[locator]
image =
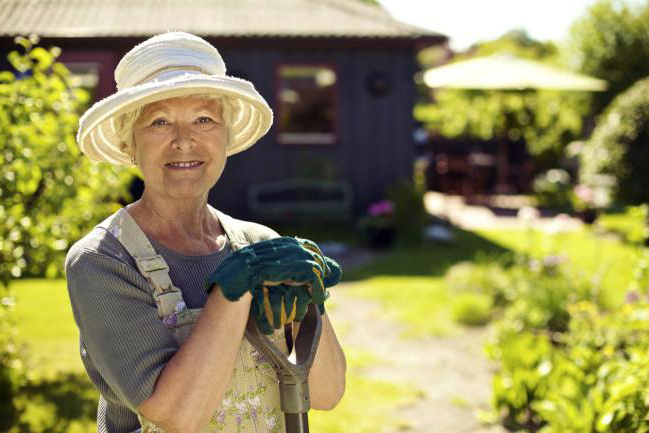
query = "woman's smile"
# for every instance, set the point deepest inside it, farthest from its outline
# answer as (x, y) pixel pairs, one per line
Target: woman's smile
(184, 165)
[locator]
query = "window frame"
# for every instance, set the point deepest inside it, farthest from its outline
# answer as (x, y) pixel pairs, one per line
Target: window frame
(308, 139)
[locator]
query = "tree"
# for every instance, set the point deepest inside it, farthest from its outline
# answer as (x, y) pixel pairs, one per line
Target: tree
(611, 42)
(50, 194)
(618, 150)
(546, 120)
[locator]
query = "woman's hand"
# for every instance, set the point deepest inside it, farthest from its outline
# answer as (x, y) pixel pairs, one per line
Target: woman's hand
(192, 385)
(283, 274)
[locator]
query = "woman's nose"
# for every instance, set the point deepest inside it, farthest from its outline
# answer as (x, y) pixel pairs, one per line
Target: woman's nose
(183, 139)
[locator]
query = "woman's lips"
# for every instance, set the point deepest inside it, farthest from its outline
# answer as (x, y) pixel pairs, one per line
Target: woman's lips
(183, 165)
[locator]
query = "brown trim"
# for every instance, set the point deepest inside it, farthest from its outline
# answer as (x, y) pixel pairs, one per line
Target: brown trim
(336, 103)
(108, 61)
(250, 42)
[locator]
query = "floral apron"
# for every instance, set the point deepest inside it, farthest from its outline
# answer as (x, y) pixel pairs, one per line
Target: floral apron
(251, 402)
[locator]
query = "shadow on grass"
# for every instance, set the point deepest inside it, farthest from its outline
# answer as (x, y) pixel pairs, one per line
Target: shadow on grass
(54, 405)
(429, 259)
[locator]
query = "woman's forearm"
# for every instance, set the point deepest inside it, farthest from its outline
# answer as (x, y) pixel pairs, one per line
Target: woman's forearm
(193, 383)
(327, 375)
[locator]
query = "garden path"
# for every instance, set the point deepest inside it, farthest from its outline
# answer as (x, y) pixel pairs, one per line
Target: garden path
(451, 373)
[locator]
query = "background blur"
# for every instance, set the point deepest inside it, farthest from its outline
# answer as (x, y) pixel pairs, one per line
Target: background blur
(479, 169)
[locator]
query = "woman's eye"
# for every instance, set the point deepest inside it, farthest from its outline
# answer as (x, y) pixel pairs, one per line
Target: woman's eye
(160, 122)
(204, 119)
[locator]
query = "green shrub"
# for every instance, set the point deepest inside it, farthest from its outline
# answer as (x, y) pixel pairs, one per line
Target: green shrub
(553, 189)
(630, 224)
(565, 364)
(618, 150)
(472, 309)
(487, 277)
(50, 194)
(600, 379)
(12, 373)
(409, 211)
(524, 359)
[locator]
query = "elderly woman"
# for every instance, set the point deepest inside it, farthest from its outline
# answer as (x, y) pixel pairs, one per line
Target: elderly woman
(164, 353)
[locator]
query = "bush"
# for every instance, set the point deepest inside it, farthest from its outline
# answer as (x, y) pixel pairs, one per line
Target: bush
(553, 189)
(50, 195)
(618, 151)
(599, 382)
(12, 374)
(481, 277)
(630, 224)
(566, 365)
(472, 309)
(409, 211)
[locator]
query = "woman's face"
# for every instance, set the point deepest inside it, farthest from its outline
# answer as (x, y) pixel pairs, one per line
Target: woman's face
(180, 146)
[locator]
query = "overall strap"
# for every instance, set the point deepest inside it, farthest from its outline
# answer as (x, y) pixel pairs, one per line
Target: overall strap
(151, 265)
(236, 236)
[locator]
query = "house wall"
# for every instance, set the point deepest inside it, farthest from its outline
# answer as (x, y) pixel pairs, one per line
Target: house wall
(375, 147)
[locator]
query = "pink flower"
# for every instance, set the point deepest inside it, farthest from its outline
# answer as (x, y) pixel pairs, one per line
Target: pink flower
(584, 193)
(381, 208)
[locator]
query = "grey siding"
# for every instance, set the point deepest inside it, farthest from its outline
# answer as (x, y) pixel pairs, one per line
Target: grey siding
(375, 147)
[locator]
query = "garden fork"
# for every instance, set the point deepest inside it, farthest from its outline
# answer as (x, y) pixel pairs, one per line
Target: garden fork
(292, 376)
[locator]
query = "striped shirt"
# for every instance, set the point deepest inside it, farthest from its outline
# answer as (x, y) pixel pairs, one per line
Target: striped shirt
(124, 345)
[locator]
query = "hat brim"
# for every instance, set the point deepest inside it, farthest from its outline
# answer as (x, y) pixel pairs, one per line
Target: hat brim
(98, 139)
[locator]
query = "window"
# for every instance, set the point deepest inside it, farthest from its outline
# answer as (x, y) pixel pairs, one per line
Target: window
(85, 75)
(307, 104)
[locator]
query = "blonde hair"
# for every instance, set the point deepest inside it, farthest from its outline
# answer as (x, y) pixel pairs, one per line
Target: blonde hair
(126, 122)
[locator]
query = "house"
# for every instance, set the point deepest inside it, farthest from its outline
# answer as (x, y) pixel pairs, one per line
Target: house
(337, 73)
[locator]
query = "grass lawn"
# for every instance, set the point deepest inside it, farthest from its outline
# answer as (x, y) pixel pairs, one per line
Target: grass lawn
(409, 282)
(61, 399)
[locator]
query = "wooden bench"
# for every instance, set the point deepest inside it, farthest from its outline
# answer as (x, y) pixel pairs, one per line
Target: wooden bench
(301, 200)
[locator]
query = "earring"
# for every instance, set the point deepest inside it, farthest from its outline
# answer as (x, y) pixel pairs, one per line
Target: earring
(133, 161)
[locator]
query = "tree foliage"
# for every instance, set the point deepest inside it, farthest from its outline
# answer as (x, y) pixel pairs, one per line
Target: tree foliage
(619, 147)
(611, 42)
(50, 195)
(546, 120)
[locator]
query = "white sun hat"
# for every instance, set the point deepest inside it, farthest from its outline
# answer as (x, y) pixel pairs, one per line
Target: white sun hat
(166, 66)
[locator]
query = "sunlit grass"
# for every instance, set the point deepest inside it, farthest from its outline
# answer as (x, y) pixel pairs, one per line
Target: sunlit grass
(420, 303)
(601, 259)
(409, 282)
(46, 327)
(368, 405)
(61, 398)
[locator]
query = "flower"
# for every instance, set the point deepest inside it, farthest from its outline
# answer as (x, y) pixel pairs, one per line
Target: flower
(383, 207)
(380, 215)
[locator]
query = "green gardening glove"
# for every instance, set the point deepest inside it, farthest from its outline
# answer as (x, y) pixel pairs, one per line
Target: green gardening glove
(273, 307)
(283, 274)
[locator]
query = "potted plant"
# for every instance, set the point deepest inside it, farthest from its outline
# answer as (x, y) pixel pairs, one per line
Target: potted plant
(378, 225)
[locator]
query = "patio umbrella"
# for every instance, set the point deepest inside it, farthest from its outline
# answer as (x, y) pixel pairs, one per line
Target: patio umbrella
(505, 72)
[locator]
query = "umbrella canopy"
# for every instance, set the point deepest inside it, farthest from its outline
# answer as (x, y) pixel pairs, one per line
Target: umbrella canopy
(507, 72)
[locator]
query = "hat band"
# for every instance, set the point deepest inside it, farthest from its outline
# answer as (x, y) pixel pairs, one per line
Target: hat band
(161, 71)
